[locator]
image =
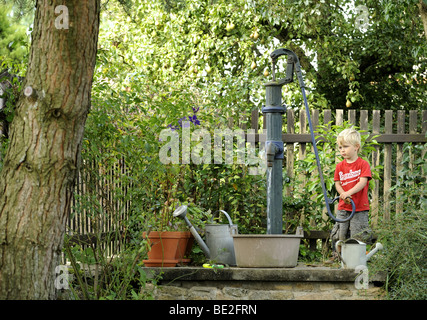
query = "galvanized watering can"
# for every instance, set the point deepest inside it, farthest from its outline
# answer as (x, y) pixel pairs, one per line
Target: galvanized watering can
(219, 244)
(353, 253)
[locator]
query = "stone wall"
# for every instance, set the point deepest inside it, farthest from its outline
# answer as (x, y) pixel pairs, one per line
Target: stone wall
(262, 291)
(301, 283)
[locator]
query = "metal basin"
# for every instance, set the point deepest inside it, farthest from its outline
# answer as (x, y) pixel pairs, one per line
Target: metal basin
(266, 250)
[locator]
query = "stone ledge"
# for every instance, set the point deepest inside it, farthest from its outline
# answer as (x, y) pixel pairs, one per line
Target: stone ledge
(300, 273)
(300, 283)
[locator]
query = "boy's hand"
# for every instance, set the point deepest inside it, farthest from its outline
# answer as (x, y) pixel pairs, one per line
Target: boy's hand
(347, 200)
(346, 197)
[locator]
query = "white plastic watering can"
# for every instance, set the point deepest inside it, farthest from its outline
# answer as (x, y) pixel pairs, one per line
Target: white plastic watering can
(353, 253)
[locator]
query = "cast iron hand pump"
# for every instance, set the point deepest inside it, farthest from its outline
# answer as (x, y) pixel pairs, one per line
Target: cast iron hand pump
(294, 65)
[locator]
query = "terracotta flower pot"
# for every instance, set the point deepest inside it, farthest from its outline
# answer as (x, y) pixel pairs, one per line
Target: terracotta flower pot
(184, 248)
(167, 248)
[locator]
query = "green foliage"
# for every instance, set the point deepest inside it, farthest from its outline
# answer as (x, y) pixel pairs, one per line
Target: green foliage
(404, 258)
(404, 237)
(12, 86)
(23, 10)
(11, 94)
(14, 48)
(96, 276)
(342, 61)
(221, 49)
(309, 256)
(14, 42)
(411, 179)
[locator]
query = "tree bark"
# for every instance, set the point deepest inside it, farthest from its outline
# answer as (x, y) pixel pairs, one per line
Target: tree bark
(40, 166)
(422, 6)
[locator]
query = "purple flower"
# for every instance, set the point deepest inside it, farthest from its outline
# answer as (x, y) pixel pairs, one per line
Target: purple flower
(193, 119)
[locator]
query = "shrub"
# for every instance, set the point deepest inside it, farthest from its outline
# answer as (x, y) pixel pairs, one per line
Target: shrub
(404, 237)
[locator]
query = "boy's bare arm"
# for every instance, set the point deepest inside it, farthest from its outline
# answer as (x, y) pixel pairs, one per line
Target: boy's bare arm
(347, 194)
(338, 187)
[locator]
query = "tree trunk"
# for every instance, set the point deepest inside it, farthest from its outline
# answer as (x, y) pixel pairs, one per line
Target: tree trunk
(423, 12)
(40, 166)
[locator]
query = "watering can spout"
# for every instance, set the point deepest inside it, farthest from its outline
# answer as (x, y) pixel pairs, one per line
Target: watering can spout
(181, 213)
(378, 247)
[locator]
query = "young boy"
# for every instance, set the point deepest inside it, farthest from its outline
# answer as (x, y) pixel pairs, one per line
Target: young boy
(351, 178)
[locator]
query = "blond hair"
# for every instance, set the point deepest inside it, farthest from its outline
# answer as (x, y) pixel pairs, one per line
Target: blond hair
(350, 136)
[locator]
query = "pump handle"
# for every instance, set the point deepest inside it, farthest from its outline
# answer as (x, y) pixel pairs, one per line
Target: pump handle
(282, 51)
(346, 219)
(293, 65)
(292, 60)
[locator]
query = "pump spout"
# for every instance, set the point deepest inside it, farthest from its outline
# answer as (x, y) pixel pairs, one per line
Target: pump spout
(274, 151)
(271, 153)
(378, 247)
(181, 213)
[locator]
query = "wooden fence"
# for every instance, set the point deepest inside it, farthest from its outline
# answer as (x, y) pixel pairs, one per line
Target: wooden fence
(97, 214)
(394, 130)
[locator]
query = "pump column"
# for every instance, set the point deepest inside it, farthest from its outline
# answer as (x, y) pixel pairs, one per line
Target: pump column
(274, 148)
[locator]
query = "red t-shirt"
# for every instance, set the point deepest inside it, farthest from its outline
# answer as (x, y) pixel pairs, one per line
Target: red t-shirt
(349, 174)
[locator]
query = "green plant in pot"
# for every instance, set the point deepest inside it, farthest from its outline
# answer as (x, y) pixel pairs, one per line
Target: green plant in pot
(168, 239)
(171, 189)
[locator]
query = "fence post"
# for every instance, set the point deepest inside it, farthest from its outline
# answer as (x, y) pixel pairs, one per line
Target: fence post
(387, 165)
(399, 157)
(375, 162)
(412, 130)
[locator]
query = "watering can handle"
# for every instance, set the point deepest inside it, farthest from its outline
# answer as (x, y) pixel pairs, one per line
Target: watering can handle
(225, 213)
(338, 244)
